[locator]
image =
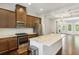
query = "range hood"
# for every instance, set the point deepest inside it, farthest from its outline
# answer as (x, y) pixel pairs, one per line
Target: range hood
(20, 24)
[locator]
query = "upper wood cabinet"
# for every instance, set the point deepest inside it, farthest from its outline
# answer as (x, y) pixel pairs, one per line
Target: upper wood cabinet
(29, 21)
(3, 18)
(32, 20)
(21, 14)
(19, 18)
(11, 20)
(7, 18)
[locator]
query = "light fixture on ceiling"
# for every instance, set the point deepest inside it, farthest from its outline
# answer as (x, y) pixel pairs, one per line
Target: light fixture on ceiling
(29, 3)
(41, 9)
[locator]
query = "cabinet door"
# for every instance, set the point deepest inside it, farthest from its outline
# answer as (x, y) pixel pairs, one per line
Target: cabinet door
(3, 45)
(29, 21)
(32, 21)
(21, 13)
(3, 18)
(7, 19)
(37, 20)
(13, 45)
(11, 20)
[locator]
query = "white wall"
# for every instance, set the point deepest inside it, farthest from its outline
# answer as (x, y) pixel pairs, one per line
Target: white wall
(53, 25)
(48, 25)
(45, 25)
(9, 6)
(10, 31)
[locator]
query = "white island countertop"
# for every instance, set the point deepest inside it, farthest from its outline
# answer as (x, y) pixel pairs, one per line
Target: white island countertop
(48, 39)
(47, 44)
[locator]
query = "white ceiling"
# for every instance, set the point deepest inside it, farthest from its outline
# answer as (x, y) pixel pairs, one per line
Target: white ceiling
(34, 8)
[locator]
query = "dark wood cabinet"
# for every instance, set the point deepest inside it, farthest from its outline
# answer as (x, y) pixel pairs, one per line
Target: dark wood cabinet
(7, 18)
(21, 14)
(3, 18)
(31, 20)
(8, 44)
(22, 17)
(3, 46)
(11, 21)
(12, 43)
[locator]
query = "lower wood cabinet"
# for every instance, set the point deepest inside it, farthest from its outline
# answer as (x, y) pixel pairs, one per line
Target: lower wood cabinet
(3, 46)
(14, 52)
(8, 44)
(12, 42)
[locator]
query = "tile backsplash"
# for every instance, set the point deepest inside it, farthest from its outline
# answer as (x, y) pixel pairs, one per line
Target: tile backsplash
(10, 31)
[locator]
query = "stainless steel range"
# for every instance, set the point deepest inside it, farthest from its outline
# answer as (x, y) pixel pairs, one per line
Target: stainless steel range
(23, 43)
(22, 38)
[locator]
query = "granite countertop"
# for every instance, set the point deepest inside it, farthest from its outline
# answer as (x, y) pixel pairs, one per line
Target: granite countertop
(6, 36)
(47, 39)
(10, 35)
(31, 33)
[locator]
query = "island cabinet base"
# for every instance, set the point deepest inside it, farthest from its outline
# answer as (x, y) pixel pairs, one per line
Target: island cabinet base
(59, 52)
(47, 44)
(47, 50)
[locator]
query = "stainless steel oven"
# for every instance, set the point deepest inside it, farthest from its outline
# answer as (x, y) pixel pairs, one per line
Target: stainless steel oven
(22, 38)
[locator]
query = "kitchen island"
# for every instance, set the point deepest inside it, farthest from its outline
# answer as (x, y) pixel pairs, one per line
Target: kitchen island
(47, 44)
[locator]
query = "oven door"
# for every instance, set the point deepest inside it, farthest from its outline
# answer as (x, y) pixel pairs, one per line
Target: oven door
(22, 40)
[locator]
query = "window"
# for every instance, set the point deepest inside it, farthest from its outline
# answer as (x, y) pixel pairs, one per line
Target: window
(69, 27)
(77, 27)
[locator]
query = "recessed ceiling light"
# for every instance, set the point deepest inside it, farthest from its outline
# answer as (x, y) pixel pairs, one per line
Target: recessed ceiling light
(41, 9)
(29, 3)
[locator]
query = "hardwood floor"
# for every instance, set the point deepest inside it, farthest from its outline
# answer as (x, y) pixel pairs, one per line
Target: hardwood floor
(70, 45)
